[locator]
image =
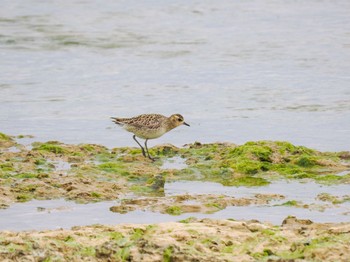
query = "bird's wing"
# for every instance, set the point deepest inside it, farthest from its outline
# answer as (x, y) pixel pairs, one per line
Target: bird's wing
(149, 121)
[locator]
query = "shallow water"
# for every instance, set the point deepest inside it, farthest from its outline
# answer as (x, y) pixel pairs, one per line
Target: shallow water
(59, 165)
(174, 163)
(237, 70)
(292, 190)
(53, 214)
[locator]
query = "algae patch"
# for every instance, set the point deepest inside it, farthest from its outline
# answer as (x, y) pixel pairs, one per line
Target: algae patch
(52, 147)
(5, 137)
(90, 172)
(325, 197)
(190, 240)
(256, 163)
(6, 141)
(181, 204)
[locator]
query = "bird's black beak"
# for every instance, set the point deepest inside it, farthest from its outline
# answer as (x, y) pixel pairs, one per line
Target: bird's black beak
(186, 124)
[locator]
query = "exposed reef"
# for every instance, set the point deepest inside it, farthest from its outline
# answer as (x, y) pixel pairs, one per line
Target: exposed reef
(188, 240)
(88, 172)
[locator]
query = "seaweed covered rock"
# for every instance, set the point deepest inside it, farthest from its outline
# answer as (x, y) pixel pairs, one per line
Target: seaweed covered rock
(255, 162)
(54, 169)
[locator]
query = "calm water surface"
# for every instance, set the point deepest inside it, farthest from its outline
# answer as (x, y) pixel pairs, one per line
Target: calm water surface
(53, 214)
(237, 70)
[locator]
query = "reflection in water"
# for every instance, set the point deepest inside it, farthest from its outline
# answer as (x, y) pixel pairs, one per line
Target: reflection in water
(52, 214)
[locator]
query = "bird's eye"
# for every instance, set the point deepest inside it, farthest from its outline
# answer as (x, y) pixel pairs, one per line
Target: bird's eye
(179, 119)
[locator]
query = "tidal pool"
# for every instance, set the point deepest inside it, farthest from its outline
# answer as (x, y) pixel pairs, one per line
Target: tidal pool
(174, 163)
(292, 190)
(53, 214)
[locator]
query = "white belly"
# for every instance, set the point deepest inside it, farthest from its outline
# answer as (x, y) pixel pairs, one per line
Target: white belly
(146, 133)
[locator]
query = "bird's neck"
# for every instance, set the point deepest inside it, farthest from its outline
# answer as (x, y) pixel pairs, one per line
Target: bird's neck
(169, 125)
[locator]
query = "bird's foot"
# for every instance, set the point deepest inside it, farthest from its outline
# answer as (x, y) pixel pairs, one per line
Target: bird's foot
(152, 158)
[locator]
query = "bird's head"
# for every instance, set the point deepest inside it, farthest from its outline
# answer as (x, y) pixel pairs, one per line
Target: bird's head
(177, 120)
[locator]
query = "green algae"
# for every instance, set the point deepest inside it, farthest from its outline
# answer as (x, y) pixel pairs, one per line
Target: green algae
(40, 161)
(188, 220)
(119, 245)
(53, 147)
(74, 152)
(332, 179)
(137, 234)
(333, 199)
(6, 167)
(6, 141)
(173, 210)
(87, 148)
(5, 137)
(164, 151)
(113, 167)
(23, 197)
(291, 203)
(253, 150)
(215, 206)
(313, 248)
(26, 175)
(141, 189)
(168, 254)
(248, 181)
(252, 163)
(197, 240)
(95, 195)
(306, 161)
(264, 254)
(268, 232)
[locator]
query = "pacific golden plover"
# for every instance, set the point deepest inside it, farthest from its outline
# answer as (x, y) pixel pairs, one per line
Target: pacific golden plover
(149, 126)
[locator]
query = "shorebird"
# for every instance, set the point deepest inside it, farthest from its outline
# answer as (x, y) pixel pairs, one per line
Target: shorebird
(149, 126)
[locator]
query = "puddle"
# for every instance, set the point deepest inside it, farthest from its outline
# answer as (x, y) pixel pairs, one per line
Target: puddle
(13, 149)
(343, 173)
(292, 190)
(60, 165)
(26, 141)
(54, 214)
(174, 163)
(276, 214)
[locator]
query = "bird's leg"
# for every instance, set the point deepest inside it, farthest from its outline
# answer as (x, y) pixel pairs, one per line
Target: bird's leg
(143, 150)
(149, 156)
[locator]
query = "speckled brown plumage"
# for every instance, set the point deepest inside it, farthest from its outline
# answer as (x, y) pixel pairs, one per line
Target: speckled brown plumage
(149, 126)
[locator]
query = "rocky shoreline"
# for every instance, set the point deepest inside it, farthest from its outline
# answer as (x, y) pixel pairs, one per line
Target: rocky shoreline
(188, 240)
(88, 173)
